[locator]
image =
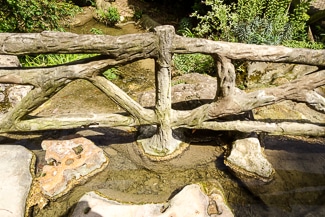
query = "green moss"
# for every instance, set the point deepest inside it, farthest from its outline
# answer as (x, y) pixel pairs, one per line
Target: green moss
(254, 77)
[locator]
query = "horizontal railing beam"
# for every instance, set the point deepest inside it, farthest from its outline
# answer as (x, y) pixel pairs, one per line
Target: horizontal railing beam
(145, 45)
(278, 128)
(119, 120)
(72, 121)
(118, 47)
(250, 52)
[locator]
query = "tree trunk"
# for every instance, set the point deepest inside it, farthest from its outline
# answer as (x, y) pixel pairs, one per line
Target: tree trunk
(163, 141)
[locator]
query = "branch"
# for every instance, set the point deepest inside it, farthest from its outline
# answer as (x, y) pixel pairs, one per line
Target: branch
(78, 69)
(47, 81)
(240, 51)
(299, 90)
(283, 128)
(122, 99)
(118, 47)
(72, 121)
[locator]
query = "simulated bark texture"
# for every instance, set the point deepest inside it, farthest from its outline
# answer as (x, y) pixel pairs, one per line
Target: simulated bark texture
(159, 45)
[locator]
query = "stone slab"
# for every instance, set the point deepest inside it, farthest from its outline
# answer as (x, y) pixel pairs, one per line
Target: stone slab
(190, 201)
(15, 179)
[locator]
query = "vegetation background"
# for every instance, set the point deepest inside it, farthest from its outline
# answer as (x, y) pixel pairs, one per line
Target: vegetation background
(273, 22)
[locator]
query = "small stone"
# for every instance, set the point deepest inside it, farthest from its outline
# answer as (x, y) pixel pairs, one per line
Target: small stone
(246, 158)
(17, 92)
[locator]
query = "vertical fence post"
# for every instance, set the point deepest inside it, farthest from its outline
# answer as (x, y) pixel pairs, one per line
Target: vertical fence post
(164, 140)
(226, 76)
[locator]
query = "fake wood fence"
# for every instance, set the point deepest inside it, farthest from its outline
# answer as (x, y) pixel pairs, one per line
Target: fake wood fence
(160, 45)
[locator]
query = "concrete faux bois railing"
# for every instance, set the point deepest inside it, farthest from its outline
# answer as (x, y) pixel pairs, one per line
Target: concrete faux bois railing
(160, 46)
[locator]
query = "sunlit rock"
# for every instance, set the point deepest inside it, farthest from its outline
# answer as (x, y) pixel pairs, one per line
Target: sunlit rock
(17, 92)
(81, 18)
(70, 162)
(190, 201)
(16, 164)
(246, 159)
(189, 91)
(260, 74)
(11, 94)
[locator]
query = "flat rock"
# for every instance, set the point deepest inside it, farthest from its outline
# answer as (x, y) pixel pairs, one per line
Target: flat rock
(260, 74)
(70, 162)
(82, 18)
(190, 201)
(15, 179)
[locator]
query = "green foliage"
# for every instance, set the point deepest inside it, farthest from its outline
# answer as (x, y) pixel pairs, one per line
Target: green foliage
(33, 15)
(138, 14)
(111, 74)
(188, 63)
(262, 31)
(186, 33)
(253, 21)
(299, 18)
(185, 26)
(96, 31)
(51, 59)
(215, 21)
(304, 44)
(110, 16)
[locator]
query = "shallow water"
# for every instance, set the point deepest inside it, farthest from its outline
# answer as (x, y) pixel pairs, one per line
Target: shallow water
(297, 190)
(114, 31)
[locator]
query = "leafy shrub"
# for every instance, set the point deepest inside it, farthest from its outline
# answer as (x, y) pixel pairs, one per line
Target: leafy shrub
(33, 15)
(184, 25)
(253, 21)
(138, 14)
(110, 17)
(215, 22)
(262, 31)
(188, 63)
(304, 44)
